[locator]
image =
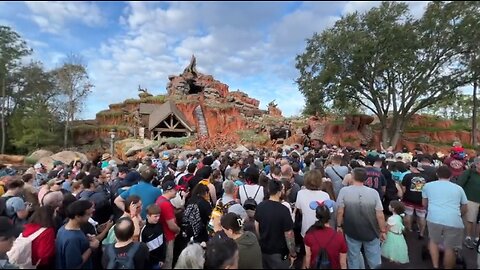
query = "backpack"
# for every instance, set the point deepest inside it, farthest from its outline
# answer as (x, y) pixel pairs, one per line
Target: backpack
(183, 182)
(250, 203)
(122, 260)
(3, 205)
(191, 221)
(321, 260)
(21, 252)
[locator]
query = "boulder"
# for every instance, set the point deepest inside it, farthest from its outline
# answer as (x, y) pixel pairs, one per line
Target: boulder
(69, 156)
(37, 155)
(241, 148)
(12, 159)
(134, 149)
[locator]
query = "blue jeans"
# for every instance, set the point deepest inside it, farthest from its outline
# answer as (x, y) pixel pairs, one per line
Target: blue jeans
(373, 253)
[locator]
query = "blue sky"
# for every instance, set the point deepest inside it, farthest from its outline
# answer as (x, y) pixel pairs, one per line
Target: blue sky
(250, 46)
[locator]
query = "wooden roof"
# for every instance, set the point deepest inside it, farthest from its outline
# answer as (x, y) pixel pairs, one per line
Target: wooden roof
(163, 111)
(147, 108)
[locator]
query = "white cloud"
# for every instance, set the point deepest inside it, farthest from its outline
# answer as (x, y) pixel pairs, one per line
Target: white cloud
(52, 17)
(250, 46)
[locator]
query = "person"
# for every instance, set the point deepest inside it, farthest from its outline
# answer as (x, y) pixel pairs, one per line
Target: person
(336, 172)
(249, 251)
(152, 235)
(469, 180)
(125, 247)
(168, 220)
(445, 203)
(360, 217)
(8, 233)
(375, 178)
(73, 248)
(251, 188)
(197, 214)
(221, 253)
(43, 247)
(313, 192)
(133, 206)
(144, 189)
(412, 185)
(321, 235)
(274, 225)
(192, 257)
(395, 247)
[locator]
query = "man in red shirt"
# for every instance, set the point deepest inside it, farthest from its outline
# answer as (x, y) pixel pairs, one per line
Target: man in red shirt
(167, 219)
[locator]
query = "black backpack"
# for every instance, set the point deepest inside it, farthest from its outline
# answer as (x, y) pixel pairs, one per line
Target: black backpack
(3, 205)
(122, 260)
(322, 261)
(250, 203)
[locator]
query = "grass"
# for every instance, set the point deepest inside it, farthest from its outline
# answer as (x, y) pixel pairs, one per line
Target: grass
(110, 114)
(252, 137)
(153, 99)
(350, 139)
(110, 127)
(81, 128)
(219, 105)
(132, 101)
(30, 160)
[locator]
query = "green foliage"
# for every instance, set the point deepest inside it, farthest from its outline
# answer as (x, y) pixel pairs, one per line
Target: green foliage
(132, 101)
(153, 99)
(110, 114)
(251, 136)
(32, 130)
(388, 62)
(30, 160)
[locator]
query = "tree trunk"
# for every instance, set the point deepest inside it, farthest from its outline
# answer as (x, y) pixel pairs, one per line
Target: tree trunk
(385, 138)
(65, 135)
(3, 113)
(474, 114)
(396, 137)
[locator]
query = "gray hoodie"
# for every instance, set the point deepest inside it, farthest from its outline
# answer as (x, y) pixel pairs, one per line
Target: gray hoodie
(250, 254)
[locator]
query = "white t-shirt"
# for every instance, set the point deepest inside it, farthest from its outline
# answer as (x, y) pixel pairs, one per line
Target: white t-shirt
(304, 198)
(251, 190)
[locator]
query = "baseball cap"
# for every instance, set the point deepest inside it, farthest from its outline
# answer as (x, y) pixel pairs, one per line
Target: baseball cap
(13, 205)
(7, 229)
(169, 185)
(370, 159)
(38, 166)
(57, 163)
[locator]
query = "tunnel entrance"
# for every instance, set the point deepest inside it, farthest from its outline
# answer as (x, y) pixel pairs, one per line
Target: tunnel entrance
(194, 88)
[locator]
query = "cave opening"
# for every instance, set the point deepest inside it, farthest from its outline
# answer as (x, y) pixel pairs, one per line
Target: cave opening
(194, 88)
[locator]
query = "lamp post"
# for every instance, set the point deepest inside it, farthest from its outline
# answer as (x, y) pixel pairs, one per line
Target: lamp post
(112, 140)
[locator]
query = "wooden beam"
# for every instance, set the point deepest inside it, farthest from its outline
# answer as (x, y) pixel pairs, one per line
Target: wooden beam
(166, 123)
(171, 121)
(171, 130)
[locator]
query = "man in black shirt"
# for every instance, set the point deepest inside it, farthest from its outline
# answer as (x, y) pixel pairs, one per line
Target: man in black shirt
(274, 225)
(412, 185)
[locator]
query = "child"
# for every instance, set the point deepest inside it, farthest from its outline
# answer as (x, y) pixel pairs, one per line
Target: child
(395, 247)
(152, 235)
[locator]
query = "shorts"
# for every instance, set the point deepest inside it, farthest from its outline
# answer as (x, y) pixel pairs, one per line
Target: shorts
(419, 210)
(472, 211)
(451, 237)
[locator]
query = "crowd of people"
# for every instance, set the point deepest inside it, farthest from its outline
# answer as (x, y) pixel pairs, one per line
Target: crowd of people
(292, 207)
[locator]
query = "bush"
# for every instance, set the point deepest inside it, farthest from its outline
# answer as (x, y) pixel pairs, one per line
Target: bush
(30, 160)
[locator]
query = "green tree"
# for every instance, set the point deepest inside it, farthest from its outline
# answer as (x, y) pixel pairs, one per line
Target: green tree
(387, 61)
(74, 83)
(12, 49)
(34, 122)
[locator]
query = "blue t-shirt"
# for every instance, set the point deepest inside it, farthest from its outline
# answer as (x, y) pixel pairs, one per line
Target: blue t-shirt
(444, 201)
(69, 247)
(147, 193)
